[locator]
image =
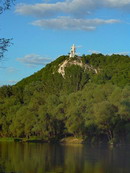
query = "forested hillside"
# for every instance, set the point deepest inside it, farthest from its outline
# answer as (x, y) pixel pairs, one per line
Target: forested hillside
(91, 101)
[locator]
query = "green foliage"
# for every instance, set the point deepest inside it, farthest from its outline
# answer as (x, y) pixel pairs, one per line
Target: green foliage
(114, 68)
(75, 78)
(93, 106)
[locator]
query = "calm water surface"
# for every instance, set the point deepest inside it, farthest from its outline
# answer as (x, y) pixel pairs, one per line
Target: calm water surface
(47, 158)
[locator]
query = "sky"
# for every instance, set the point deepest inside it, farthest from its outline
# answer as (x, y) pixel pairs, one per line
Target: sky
(43, 30)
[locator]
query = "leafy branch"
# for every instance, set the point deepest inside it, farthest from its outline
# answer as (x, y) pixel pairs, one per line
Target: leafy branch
(4, 43)
(5, 5)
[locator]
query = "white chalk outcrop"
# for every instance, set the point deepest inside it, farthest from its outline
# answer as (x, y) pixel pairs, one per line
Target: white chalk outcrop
(69, 62)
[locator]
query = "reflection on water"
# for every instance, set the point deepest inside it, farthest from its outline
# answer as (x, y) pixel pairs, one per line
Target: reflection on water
(48, 158)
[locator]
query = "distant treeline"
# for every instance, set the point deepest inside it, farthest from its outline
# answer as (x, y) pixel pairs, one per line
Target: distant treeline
(83, 104)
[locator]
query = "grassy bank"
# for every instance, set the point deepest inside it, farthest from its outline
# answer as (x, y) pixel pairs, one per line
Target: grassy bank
(68, 140)
(20, 140)
(6, 139)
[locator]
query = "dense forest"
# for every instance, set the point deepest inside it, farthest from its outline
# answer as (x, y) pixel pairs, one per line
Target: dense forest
(94, 106)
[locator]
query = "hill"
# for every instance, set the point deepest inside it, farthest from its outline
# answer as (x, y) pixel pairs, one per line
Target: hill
(86, 97)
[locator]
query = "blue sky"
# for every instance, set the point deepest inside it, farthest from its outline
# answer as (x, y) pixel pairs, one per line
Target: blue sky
(45, 29)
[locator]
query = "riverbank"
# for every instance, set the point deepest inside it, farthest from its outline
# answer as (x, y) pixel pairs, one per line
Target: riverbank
(72, 140)
(64, 141)
(20, 140)
(67, 140)
(6, 139)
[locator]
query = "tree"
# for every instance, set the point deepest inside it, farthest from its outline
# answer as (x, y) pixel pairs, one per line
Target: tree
(5, 5)
(106, 118)
(4, 42)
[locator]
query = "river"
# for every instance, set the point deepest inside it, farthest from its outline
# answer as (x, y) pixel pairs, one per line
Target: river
(50, 158)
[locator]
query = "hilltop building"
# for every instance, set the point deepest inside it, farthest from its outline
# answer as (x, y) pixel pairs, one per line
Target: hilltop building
(72, 51)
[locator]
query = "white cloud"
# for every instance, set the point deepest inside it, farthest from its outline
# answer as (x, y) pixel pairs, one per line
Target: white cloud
(122, 53)
(70, 14)
(11, 69)
(11, 82)
(116, 53)
(2, 67)
(94, 51)
(75, 8)
(34, 60)
(68, 23)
